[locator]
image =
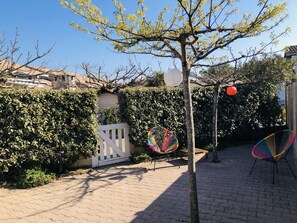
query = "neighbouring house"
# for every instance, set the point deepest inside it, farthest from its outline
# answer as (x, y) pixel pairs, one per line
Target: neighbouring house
(30, 77)
(291, 53)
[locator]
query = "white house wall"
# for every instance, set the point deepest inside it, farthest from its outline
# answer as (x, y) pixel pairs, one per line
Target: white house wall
(108, 100)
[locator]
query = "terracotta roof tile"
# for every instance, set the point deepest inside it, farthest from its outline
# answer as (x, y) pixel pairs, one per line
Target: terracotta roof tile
(36, 71)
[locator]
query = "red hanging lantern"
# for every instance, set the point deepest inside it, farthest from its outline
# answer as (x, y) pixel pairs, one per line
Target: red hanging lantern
(231, 90)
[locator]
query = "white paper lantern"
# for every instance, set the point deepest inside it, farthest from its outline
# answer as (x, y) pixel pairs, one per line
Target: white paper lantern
(173, 77)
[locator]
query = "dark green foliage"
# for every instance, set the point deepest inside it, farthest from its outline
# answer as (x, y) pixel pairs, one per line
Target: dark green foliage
(275, 117)
(273, 71)
(139, 158)
(109, 116)
(33, 178)
(251, 109)
(48, 129)
(157, 80)
(144, 108)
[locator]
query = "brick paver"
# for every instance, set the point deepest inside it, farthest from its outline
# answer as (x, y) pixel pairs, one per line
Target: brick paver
(136, 193)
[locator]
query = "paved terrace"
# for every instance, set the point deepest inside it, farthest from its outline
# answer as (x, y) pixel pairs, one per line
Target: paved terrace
(136, 193)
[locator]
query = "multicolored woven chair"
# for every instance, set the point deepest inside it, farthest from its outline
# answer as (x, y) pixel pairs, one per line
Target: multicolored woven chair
(162, 141)
(273, 148)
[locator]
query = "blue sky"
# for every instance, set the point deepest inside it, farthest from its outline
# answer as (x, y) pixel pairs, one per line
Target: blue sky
(48, 22)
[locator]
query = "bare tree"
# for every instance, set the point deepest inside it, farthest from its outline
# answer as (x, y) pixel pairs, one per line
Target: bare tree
(128, 76)
(13, 60)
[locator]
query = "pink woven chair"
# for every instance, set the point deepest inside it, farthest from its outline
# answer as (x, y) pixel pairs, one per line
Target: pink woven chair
(162, 141)
(273, 148)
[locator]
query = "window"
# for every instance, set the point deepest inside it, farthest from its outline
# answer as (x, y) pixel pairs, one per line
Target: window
(22, 75)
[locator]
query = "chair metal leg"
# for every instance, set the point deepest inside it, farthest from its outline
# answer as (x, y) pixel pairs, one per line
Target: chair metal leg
(175, 155)
(154, 158)
(273, 173)
(253, 166)
(290, 168)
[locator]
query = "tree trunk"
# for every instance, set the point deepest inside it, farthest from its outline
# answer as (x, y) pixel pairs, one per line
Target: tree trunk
(215, 123)
(190, 139)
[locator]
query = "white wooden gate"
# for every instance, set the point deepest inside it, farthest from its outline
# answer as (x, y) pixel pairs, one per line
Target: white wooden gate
(114, 146)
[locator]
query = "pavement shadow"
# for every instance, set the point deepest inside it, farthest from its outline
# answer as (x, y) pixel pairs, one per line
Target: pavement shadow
(83, 185)
(227, 193)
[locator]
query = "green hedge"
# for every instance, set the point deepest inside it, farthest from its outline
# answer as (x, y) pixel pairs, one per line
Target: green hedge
(46, 129)
(29, 178)
(110, 115)
(239, 116)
